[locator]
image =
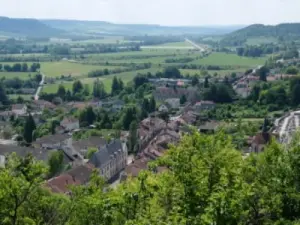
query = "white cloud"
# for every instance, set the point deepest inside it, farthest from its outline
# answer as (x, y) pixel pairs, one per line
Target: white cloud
(167, 12)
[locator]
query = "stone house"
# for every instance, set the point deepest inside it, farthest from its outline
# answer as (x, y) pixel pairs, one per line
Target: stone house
(56, 141)
(204, 105)
(110, 159)
(174, 103)
(163, 108)
(70, 124)
(79, 175)
(42, 104)
(19, 109)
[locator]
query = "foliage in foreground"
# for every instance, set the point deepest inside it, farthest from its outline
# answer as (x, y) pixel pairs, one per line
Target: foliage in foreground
(207, 182)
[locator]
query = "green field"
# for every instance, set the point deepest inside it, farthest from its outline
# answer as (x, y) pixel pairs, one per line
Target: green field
(56, 69)
(211, 72)
(177, 44)
(107, 80)
(10, 75)
(25, 97)
(223, 59)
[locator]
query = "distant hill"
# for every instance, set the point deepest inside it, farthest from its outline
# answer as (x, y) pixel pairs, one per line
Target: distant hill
(282, 31)
(26, 27)
(101, 27)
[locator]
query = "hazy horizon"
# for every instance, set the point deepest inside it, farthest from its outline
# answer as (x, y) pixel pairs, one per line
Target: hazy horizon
(159, 12)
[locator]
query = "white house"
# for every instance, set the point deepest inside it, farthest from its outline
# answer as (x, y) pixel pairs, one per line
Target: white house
(70, 124)
(163, 108)
(19, 109)
(173, 102)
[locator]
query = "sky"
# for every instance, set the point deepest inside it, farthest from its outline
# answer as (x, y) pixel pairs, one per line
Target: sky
(163, 12)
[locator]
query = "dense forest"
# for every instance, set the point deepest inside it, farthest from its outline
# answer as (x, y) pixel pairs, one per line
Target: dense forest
(281, 31)
(205, 181)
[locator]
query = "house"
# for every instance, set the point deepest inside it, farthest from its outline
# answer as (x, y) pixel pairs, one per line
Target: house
(163, 108)
(118, 105)
(110, 159)
(79, 175)
(37, 153)
(70, 124)
(42, 104)
(174, 103)
(163, 93)
(204, 105)
(56, 141)
(208, 127)
(82, 146)
(6, 115)
(242, 89)
(260, 140)
(19, 109)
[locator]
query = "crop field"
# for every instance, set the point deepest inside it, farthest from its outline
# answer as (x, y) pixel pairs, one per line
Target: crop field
(56, 69)
(223, 59)
(107, 80)
(20, 75)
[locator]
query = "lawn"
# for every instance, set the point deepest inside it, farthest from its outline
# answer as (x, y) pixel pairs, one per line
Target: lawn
(107, 80)
(223, 59)
(10, 75)
(56, 69)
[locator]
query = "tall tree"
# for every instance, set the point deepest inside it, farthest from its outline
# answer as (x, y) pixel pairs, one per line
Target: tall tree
(55, 162)
(115, 86)
(29, 127)
(77, 87)
(152, 104)
(206, 83)
(183, 99)
(24, 67)
(133, 137)
(262, 73)
(61, 91)
(3, 96)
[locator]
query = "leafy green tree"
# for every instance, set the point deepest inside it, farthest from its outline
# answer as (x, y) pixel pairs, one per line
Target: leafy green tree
(206, 82)
(292, 70)
(91, 152)
(262, 73)
(29, 127)
(24, 67)
(3, 96)
(61, 91)
(295, 94)
(99, 89)
(77, 87)
(55, 162)
(152, 104)
(129, 116)
(183, 99)
(115, 86)
(195, 81)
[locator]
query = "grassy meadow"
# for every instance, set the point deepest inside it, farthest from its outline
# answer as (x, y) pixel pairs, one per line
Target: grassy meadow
(56, 69)
(20, 75)
(224, 59)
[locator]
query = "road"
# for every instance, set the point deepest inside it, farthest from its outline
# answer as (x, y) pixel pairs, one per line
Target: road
(195, 45)
(36, 96)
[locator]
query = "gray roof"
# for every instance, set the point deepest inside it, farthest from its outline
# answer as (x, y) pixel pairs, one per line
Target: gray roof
(52, 139)
(39, 154)
(103, 155)
(95, 142)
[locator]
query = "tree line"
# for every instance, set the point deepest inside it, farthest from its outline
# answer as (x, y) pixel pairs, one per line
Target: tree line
(205, 181)
(20, 67)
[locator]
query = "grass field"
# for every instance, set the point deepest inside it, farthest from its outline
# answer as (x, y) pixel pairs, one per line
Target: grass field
(10, 75)
(223, 59)
(211, 72)
(25, 97)
(177, 44)
(107, 80)
(56, 69)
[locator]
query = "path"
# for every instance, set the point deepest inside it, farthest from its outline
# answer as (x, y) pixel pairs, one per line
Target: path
(36, 96)
(195, 45)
